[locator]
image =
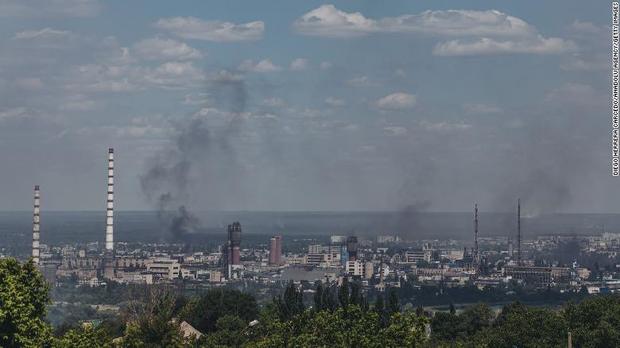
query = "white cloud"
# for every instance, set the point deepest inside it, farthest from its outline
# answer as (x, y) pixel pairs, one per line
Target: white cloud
(444, 126)
(196, 28)
(582, 63)
(262, 66)
(175, 75)
(334, 102)
(585, 27)
(78, 103)
(395, 130)
(46, 33)
(325, 65)
(397, 101)
(575, 94)
(488, 32)
(537, 45)
(299, 64)
(328, 21)
(361, 81)
(481, 109)
(14, 113)
(274, 102)
(196, 99)
(49, 8)
(165, 49)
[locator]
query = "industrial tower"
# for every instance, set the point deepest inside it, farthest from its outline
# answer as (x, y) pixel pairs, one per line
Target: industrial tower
(108, 260)
(476, 249)
(109, 228)
(519, 231)
(35, 226)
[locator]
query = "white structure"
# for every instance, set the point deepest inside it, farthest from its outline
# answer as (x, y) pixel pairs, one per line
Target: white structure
(109, 228)
(355, 268)
(163, 268)
(35, 226)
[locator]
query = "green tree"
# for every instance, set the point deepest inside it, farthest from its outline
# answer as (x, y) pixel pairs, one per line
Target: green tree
(356, 296)
(595, 322)
(23, 299)
(291, 303)
(151, 324)
(203, 311)
(318, 296)
(229, 332)
(84, 337)
(393, 305)
(343, 293)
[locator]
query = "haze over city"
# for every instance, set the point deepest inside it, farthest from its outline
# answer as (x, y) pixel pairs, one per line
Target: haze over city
(284, 105)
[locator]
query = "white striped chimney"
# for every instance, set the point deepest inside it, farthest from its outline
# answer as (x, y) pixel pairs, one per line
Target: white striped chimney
(35, 226)
(109, 228)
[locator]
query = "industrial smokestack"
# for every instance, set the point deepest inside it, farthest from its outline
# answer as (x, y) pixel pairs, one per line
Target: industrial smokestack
(109, 228)
(234, 240)
(35, 226)
(519, 231)
(275, 250)
(352, 248)
(476, 250)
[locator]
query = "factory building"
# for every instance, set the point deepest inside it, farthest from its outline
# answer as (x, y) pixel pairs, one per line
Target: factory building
(275, 251)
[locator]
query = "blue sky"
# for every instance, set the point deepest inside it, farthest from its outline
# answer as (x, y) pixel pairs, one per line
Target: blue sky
(281, 105)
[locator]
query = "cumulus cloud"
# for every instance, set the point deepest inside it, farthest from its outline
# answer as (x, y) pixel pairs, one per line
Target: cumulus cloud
(395, 130)
(274, 102)
(483, 28)
(444, 126)
(325, 65)
(49, 8)
(397, 101)
(334, 102)
(219, 31)
(537, 45)
(328, 21)
(481, 109)
(45, 33)
(299, 64)
(361, 81)
(261, 66)
(165, 49)
(175, 75)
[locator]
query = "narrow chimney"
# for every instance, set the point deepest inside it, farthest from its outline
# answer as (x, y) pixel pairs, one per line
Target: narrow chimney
(476, 250)
(519, 231)
(109, 228)
(35, 226)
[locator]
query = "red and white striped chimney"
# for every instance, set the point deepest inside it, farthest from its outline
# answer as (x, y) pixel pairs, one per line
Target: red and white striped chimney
(109, 228)
(35, 226)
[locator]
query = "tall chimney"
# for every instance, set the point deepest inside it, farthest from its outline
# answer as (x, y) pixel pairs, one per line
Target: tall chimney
(519, 231)
(234, 241)
(476, 250)
(35, 226)
(109, 228)
(275, 250)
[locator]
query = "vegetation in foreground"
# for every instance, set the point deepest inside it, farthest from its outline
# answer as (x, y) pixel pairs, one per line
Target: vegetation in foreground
(339, 317)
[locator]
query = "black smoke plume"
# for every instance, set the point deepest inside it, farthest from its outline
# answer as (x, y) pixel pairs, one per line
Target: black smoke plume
(197, 164)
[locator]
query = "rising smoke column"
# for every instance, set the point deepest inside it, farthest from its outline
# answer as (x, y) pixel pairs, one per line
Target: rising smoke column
(199, 162)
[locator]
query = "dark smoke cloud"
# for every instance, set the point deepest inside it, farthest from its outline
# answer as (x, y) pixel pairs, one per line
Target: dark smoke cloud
(199, 165)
